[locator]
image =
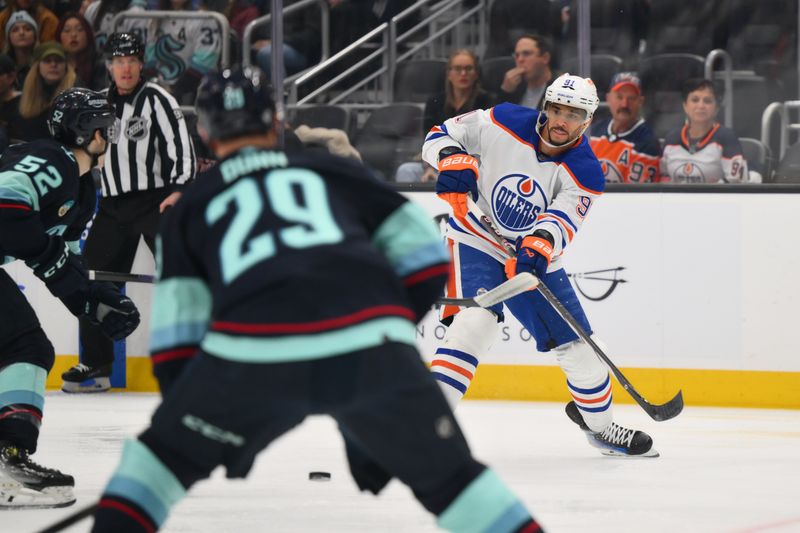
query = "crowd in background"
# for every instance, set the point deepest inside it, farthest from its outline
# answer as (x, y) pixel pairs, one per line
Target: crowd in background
(50, 45)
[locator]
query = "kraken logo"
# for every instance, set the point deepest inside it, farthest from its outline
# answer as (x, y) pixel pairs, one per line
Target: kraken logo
(170, 65)
(607, 276)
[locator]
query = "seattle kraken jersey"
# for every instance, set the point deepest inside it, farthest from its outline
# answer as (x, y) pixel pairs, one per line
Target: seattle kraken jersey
(521, 188)
(274, 257)
(628, 157)
(40, 179)
(182, 44)
(717, 158)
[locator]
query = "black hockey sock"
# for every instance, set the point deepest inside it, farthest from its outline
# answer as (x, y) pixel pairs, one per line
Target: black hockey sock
(120, 515)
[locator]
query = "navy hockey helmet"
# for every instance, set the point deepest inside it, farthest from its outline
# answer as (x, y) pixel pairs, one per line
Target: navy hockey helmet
(76, 114)
(123, 44)
(234, 103)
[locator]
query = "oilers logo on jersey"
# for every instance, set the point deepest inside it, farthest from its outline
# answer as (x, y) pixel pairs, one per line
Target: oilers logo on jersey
(516, 202)
(689, 173)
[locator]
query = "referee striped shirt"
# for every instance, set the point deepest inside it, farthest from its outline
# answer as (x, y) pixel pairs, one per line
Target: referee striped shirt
(149, 145)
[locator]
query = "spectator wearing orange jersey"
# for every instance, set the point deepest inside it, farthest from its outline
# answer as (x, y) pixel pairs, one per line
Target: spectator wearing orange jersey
(626, 147)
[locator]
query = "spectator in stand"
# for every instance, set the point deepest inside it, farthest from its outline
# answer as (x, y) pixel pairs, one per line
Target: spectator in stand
(76, 36)
(462, 94)
(702, 151)
(9, 101)
(49, 75)
(525, 83)
(182, 51)
(46, 20)
(101, 13)
(626, 147)
(21, 37)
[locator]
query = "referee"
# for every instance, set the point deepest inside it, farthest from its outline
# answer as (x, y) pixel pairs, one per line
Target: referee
(148, 161)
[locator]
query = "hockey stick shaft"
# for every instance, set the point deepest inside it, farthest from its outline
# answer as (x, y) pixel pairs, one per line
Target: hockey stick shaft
(72, 519)
(506, 290)
(120, 277)
(665, 411)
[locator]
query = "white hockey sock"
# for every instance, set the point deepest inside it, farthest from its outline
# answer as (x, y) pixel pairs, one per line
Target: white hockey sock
(589, 383)
(469, 336)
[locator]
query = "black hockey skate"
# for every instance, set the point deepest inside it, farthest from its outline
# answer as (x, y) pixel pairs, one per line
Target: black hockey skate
(27, 485)
(615, 440)
(82, 378)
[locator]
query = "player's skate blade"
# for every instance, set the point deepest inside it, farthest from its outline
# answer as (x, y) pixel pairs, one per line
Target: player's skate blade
(28, 485)
(615, 440)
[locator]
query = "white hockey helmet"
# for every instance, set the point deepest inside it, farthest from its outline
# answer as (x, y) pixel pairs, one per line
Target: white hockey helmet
(573, 91)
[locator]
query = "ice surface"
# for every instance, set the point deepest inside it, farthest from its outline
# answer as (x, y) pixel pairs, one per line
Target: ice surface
(720, 470)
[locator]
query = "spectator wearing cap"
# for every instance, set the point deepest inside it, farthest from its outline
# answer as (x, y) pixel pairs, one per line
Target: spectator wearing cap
(9, 101)
(49, 75)
(46, 21)
(626, 147)
(21, 37)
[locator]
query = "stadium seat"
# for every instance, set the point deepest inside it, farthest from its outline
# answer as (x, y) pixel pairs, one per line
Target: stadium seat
(321, 116)
(662, 77)
(390, 136)
(788, 170)
(603, 67)
(416, 80)
(757, 155)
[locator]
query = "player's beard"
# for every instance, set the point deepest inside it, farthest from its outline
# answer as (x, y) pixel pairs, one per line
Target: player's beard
(571, 136)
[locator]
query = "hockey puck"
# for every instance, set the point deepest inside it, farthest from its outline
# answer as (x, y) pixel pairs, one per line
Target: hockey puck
(319, 476)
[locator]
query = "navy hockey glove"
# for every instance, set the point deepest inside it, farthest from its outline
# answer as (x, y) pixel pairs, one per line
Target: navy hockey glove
(115, 313)
(60, 269)
(458, 175)
(534, 253)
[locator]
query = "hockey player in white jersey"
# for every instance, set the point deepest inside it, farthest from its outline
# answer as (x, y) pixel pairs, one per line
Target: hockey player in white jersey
(537, 178)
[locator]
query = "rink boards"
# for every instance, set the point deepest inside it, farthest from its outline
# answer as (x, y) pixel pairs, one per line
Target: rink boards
(707, 304)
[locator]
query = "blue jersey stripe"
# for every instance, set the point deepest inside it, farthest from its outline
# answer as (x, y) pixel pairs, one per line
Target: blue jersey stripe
(464, 356)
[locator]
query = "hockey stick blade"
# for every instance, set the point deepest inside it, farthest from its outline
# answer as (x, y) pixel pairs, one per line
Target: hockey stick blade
(506, 290)
(72, 519)
(121, 277)
(659, 413)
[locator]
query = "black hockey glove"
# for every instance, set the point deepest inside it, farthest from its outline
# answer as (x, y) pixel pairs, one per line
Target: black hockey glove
(60, 269)
(115, 313)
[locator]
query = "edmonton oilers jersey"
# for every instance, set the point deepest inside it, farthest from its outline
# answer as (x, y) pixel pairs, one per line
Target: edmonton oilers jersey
(716, 158)
(628, 157)
(521, 189)
(276, 257)
(42, 176)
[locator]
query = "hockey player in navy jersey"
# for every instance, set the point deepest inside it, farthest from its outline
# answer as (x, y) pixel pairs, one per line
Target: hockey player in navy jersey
(290, 284)
(537, 179)
(47, 196)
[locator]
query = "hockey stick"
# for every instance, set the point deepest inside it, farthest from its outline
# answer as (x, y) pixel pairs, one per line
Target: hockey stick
(501, 293)
(662, 412)
(74, 518)
(121, 277)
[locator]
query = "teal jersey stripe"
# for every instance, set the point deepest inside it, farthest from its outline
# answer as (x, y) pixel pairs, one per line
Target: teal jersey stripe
(22, 383)
(483, 507)
(21, 396)
(18, 186)
(289, 348)
(432, 254)
(154, 483)
(181, 311)
(177, 335)
(410, 239)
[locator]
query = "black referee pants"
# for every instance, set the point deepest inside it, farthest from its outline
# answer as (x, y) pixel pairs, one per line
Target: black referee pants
(111, 245)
